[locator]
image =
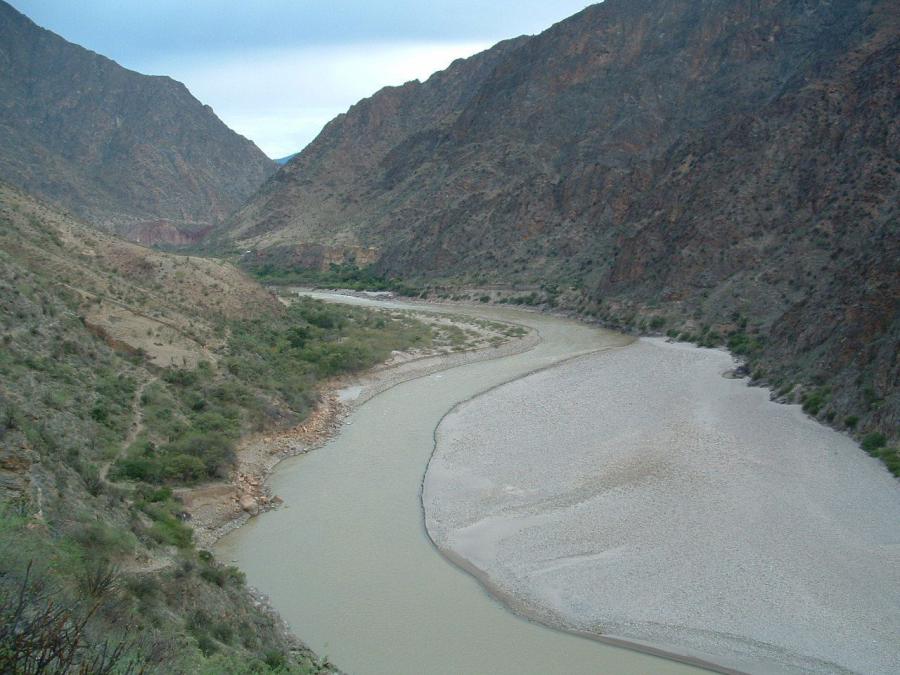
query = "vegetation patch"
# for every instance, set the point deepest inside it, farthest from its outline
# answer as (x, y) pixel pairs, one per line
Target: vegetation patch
(268, 374)
(346, 276)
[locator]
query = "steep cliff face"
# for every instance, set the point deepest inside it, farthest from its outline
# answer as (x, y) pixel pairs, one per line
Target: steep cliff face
(717, 163)
(122, 150)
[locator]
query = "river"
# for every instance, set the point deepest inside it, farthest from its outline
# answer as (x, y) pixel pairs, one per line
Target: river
(347, 560)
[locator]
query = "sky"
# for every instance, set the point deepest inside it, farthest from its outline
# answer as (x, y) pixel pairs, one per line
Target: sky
(277, 71)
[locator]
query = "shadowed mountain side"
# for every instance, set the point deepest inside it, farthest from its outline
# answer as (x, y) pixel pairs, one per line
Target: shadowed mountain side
(730, 170)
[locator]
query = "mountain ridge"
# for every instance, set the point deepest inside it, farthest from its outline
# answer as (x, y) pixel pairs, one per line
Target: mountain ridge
(125, 151)
(724, 169)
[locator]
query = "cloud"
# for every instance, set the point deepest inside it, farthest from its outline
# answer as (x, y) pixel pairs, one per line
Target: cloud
(277, 70)
(281, 98)
(134, 30)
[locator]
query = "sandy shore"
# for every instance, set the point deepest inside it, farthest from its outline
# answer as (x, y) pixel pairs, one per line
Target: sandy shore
(640, 495)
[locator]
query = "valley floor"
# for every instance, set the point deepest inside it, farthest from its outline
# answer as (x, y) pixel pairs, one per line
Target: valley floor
(638, 494)
(347, 561)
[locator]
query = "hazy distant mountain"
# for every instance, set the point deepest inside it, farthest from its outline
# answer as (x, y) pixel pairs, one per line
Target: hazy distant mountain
(730, 167)
(135, 154)
(284, 160)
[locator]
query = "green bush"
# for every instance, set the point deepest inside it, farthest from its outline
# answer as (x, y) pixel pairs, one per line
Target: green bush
(97, 539)
(214, 574)
(891, 458)
(873, 442)
(143, 469)
(184, 468)
(143, 587)
(742, 344)
(167, 528)
(814, 400)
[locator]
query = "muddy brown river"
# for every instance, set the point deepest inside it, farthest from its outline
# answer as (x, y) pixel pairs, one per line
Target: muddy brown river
(349, 565)
(622, 490)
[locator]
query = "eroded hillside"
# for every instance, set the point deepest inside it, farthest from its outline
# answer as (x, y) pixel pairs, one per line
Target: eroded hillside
(128, 378)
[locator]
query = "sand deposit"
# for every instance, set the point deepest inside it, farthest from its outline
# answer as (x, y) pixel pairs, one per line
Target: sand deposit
(640, 494)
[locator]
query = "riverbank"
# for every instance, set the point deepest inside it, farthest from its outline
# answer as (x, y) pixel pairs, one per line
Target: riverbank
(349, 547)
(219, 508)
(672, 507)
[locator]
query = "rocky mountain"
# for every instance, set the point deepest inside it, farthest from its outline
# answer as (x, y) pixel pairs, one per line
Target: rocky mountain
(133, 154)
(724, 170)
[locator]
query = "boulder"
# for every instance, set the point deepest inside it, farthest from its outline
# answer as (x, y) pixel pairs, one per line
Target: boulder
(249, 504)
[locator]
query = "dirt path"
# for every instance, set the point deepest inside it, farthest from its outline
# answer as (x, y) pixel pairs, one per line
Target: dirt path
(137, 425)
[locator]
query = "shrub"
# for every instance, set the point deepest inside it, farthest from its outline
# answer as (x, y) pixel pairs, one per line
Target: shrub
(98, 577)
(101, 541)
(142, 469)
(144, 586)
(166, 528)
(223, 632)
(873, 442)
(214, 575)
(183, 468)
(90, 474)
(813, 401)
(158, 495)
(40, 633)
(276, 660)
(891, 458)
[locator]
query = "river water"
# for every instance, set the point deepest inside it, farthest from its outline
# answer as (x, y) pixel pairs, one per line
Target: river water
(347, 560)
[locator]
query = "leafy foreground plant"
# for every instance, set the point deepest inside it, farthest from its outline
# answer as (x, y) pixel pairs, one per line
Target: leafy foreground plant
(38, 635)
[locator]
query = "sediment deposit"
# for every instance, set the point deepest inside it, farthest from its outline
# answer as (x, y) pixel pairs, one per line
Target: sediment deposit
(639, 494)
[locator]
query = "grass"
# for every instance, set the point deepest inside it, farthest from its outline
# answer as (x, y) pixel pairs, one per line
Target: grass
(813, 401)
(875, 444)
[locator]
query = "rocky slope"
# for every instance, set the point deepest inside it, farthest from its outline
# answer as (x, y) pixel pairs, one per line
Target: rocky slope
(136, 390)
(90, 327)
(133, 154)
(726, 171)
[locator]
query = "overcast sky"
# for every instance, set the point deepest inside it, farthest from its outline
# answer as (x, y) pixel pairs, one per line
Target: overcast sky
(277, 70)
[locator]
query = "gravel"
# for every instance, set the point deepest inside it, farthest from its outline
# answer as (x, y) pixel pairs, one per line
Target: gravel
(639, 494)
